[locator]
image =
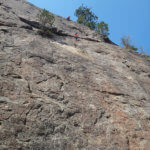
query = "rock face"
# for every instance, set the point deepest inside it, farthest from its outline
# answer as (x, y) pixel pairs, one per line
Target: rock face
(62, 94)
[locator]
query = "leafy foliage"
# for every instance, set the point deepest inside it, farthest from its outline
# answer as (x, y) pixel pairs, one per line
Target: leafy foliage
(102, 28)
(126, 42)
(46, 20)
(86, 17)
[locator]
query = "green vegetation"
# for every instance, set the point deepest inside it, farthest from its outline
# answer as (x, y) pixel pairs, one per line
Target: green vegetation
(126, 42)
(148, 58)
(46, 20)
(88, 18)
(102, 28)
(143, 54)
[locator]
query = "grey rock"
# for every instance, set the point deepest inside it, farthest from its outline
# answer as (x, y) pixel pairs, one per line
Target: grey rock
(61, 94)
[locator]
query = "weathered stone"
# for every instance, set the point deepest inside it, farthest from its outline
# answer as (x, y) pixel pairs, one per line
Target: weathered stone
(61, 94)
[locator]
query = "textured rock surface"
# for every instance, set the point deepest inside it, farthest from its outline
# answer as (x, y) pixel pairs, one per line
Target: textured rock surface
(59, 94)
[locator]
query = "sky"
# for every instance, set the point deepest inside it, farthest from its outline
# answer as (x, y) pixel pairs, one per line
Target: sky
(124, 17)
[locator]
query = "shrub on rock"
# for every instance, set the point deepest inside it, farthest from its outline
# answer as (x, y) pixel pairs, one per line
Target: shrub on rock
(46, 20)
(126, 42)
(102, 28)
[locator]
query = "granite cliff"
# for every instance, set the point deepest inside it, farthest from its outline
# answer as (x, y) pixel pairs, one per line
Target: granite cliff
(61, 94)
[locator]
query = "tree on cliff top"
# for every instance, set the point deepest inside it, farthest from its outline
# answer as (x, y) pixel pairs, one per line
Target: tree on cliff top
(102, 28)
(86, 17)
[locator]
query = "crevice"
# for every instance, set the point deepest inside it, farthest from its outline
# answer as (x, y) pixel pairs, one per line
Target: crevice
(25, 121)
(9, 116)
(135, 71)
(90, 39)
(29, 88)
(31, 23)
(46, 58)
(6, 7)
(9, 24)
(16, 76)
(60, 33)
(107, 40)
(27, 27)
(61, 85)
(102, 52)
(50, 76)
(4, 30)
(112, 93)
(77, 29)
(71, 112)
(29, 111)
(2, 101)
(42, 81)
